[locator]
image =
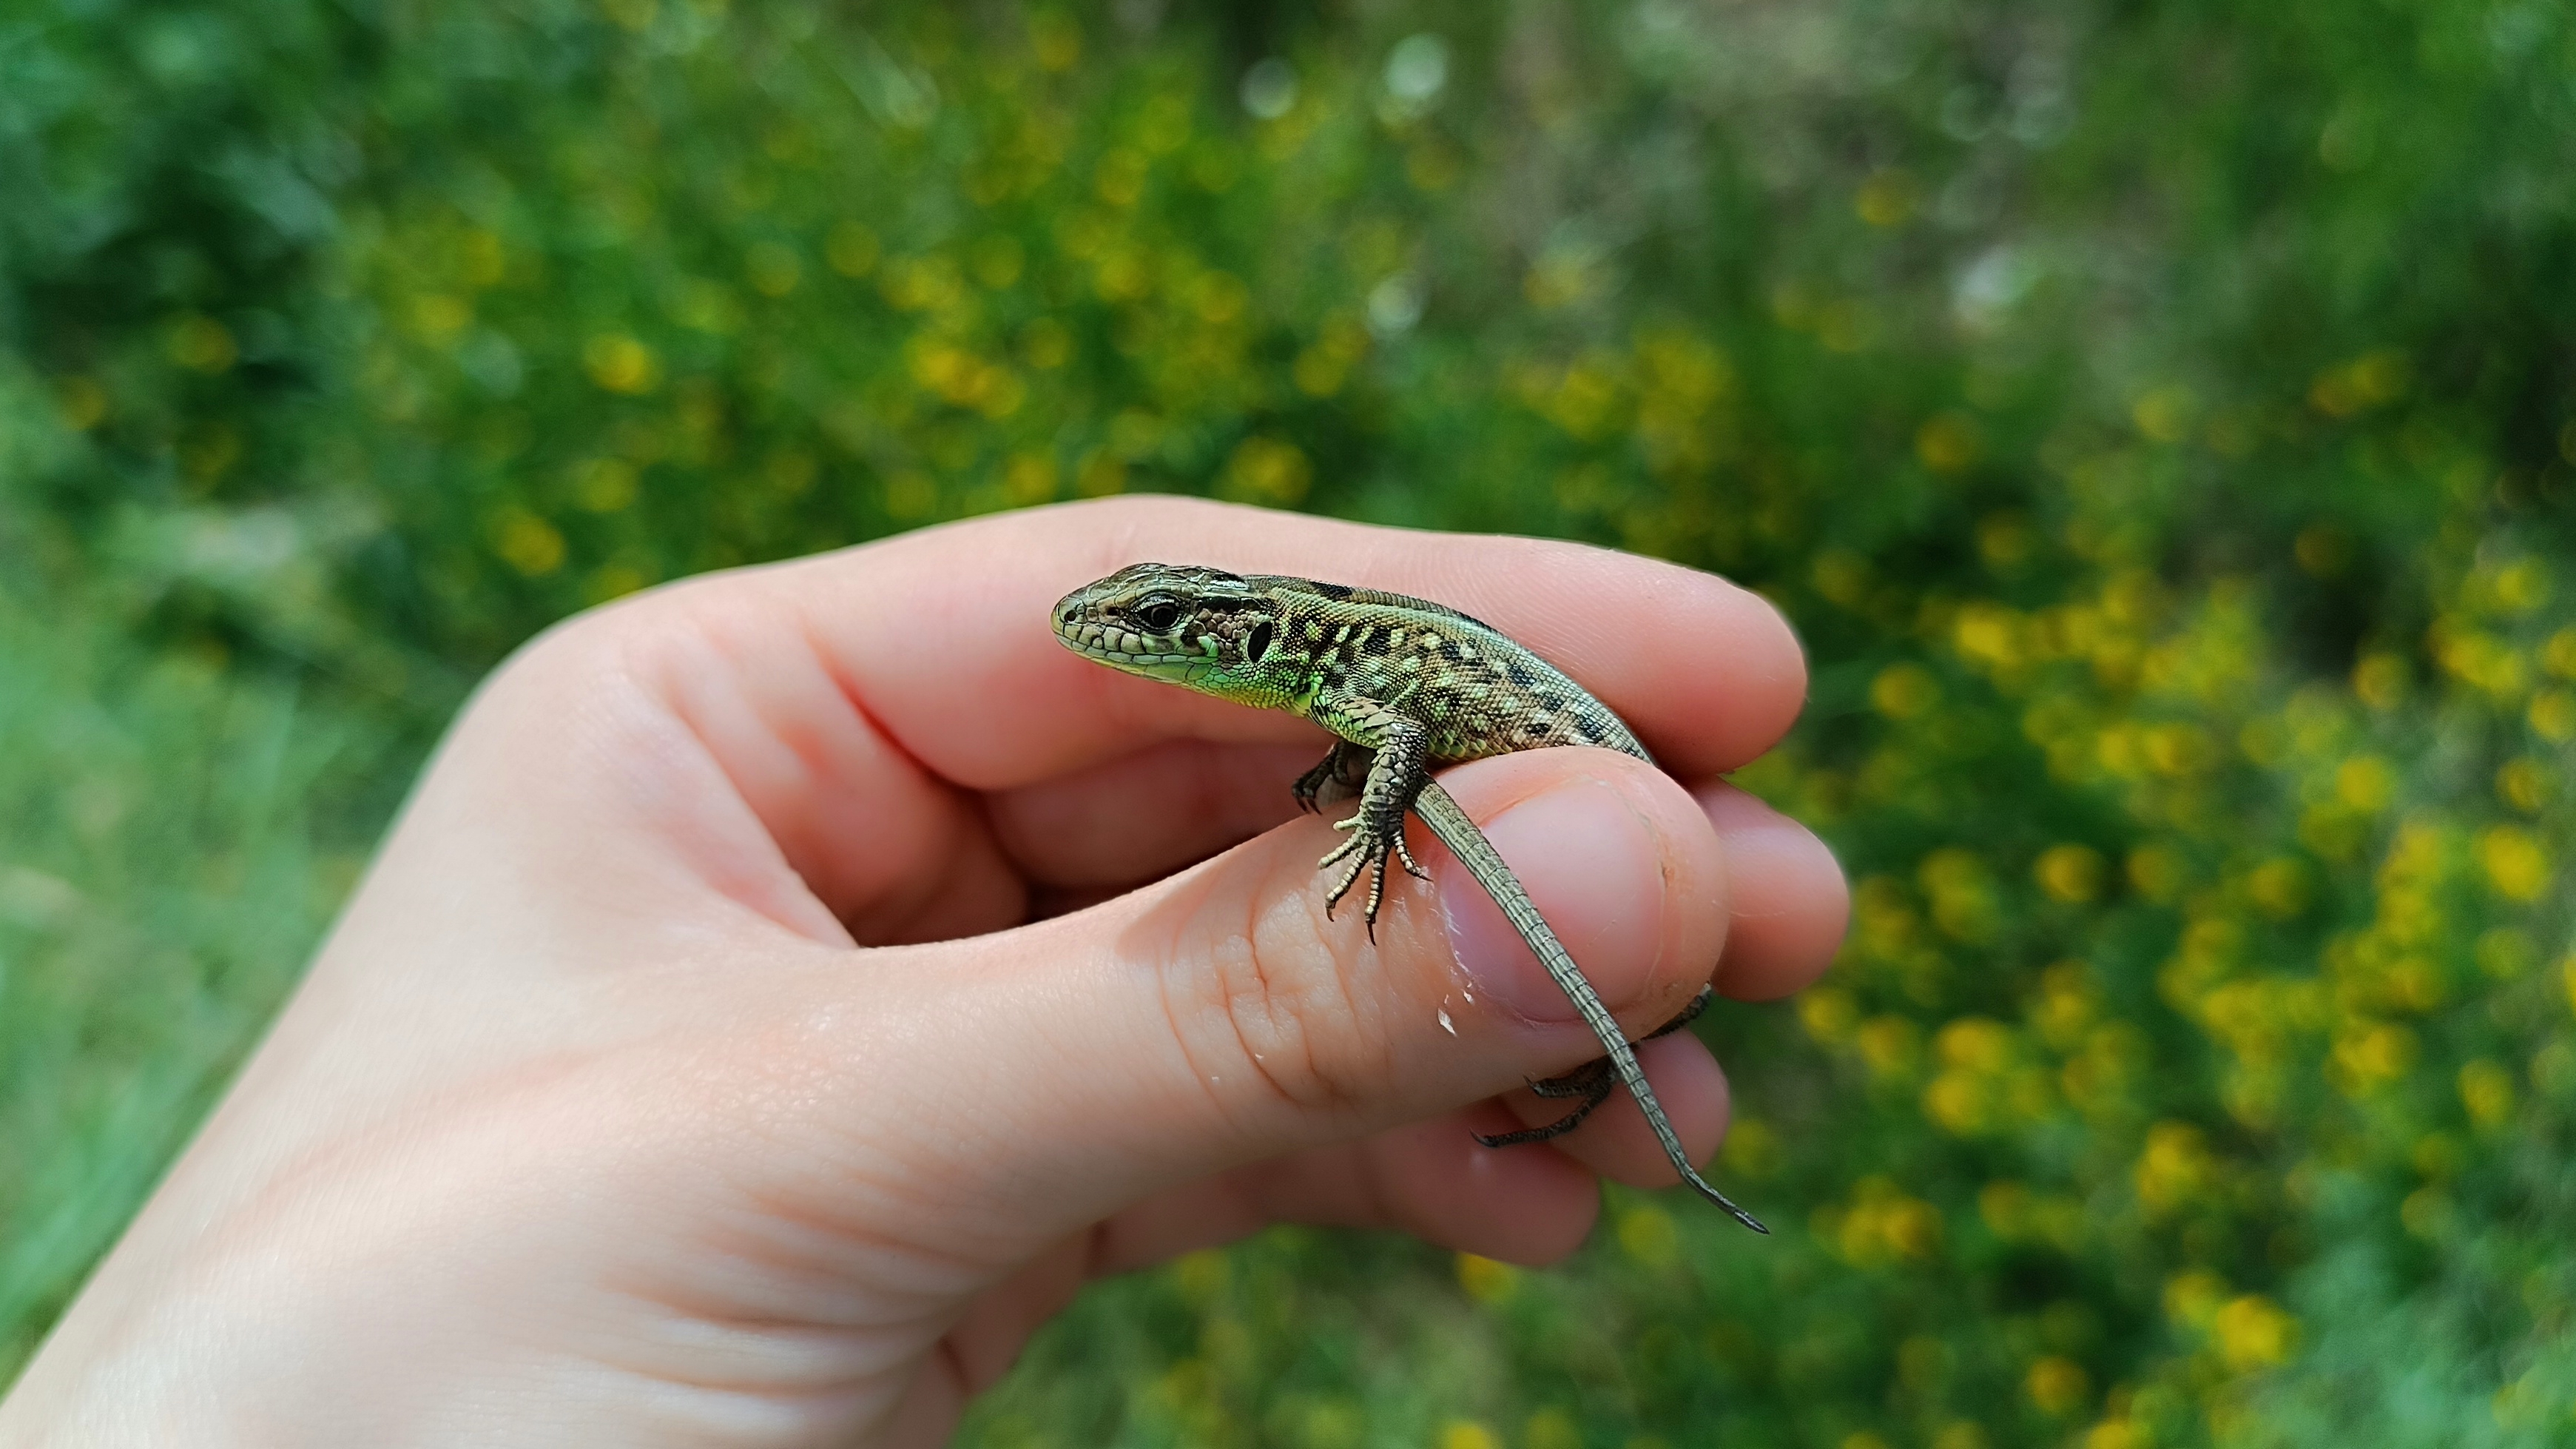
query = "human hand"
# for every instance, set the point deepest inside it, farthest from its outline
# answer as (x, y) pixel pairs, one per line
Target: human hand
(785, 988)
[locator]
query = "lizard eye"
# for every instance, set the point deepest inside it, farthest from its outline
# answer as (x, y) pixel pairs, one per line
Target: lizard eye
(1158, 615)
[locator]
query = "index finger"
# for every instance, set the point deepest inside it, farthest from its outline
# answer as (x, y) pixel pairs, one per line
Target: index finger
(942, 636)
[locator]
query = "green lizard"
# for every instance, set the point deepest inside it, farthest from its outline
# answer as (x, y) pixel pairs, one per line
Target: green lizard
(1403, 683)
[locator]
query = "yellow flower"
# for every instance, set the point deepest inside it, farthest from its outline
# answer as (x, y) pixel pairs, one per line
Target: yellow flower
(2486, 1089)
(1882, 1225)
(1752, 1148)
(1975, 1043)
(2519, 587)
(2280, 887)
(1903, 691)
(2114, 1434)
(1029, 478)
(2165, 414)
(1201, 1275)
(1828, 1013)
(2005, 1206)
(1586, 400)
(2192, 1298)
(620, 363)
(438, 317)
(2365, 782)
(528, 543)
(612, 581)
(1267, 470)
(2175, 1166)
(2523, 784)
(2254, 1333)
(1647, 1235)
(1963, 898)
(1551, 1429)
(2374, 1053)
(1485, 1280)
(2553, 715)
(2380, 680)
(2058, 1385)
(1958, 1102)
(2005, 539)
(2070, 873)
(1888, 1044)
(2516, 863)
(605, 485)
(2066, 1005)
(1468, 1434)
(2156, 871)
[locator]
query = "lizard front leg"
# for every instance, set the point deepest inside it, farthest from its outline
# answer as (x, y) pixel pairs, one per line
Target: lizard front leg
(1396, 772)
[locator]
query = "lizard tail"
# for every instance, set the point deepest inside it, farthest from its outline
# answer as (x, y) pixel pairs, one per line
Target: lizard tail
(1448, 820)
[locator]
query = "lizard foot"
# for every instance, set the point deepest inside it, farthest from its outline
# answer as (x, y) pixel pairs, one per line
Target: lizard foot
(1591, 1081)
(1369, 845)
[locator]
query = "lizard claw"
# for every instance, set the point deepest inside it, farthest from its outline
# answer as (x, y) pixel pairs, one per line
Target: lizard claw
(1367, 848)
(1412, 867)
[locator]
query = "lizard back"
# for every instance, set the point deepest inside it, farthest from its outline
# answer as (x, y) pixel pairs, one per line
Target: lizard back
(1479, 691)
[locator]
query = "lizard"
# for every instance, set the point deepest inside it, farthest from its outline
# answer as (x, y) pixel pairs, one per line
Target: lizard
(1403, 684)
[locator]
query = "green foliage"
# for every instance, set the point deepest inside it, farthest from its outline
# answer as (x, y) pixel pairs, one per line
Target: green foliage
(2155, 418)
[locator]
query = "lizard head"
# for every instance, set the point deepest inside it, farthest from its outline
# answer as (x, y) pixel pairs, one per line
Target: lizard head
(1200, 627)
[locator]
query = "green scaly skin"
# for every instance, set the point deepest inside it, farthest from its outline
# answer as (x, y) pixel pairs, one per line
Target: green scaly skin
(1405, 684)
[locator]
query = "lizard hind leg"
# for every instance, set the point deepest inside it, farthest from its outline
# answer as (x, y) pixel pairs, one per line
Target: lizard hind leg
(1591, 1081)
(1336, 777)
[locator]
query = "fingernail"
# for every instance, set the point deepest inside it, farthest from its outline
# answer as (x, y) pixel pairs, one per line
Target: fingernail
(1592, 863)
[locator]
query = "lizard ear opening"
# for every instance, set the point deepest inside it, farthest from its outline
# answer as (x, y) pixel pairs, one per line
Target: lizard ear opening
(1258, 644)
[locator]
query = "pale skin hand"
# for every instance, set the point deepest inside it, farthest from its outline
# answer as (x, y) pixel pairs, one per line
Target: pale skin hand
(689, 1069)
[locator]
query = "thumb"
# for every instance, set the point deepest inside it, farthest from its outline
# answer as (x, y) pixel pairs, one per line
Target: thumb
(1220, 1017)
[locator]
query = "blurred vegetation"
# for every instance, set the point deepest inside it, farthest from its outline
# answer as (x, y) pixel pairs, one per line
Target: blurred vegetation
(2156, 418)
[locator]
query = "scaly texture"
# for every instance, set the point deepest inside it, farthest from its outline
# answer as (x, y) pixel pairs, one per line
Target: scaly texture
(1405, 684)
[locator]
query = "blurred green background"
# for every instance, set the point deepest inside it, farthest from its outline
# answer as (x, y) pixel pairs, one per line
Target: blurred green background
(2154, 416)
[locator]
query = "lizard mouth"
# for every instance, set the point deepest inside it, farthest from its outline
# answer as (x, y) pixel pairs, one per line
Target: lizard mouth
(1125, 648)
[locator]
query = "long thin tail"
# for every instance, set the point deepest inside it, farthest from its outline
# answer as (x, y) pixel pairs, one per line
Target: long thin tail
(1441, 811)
